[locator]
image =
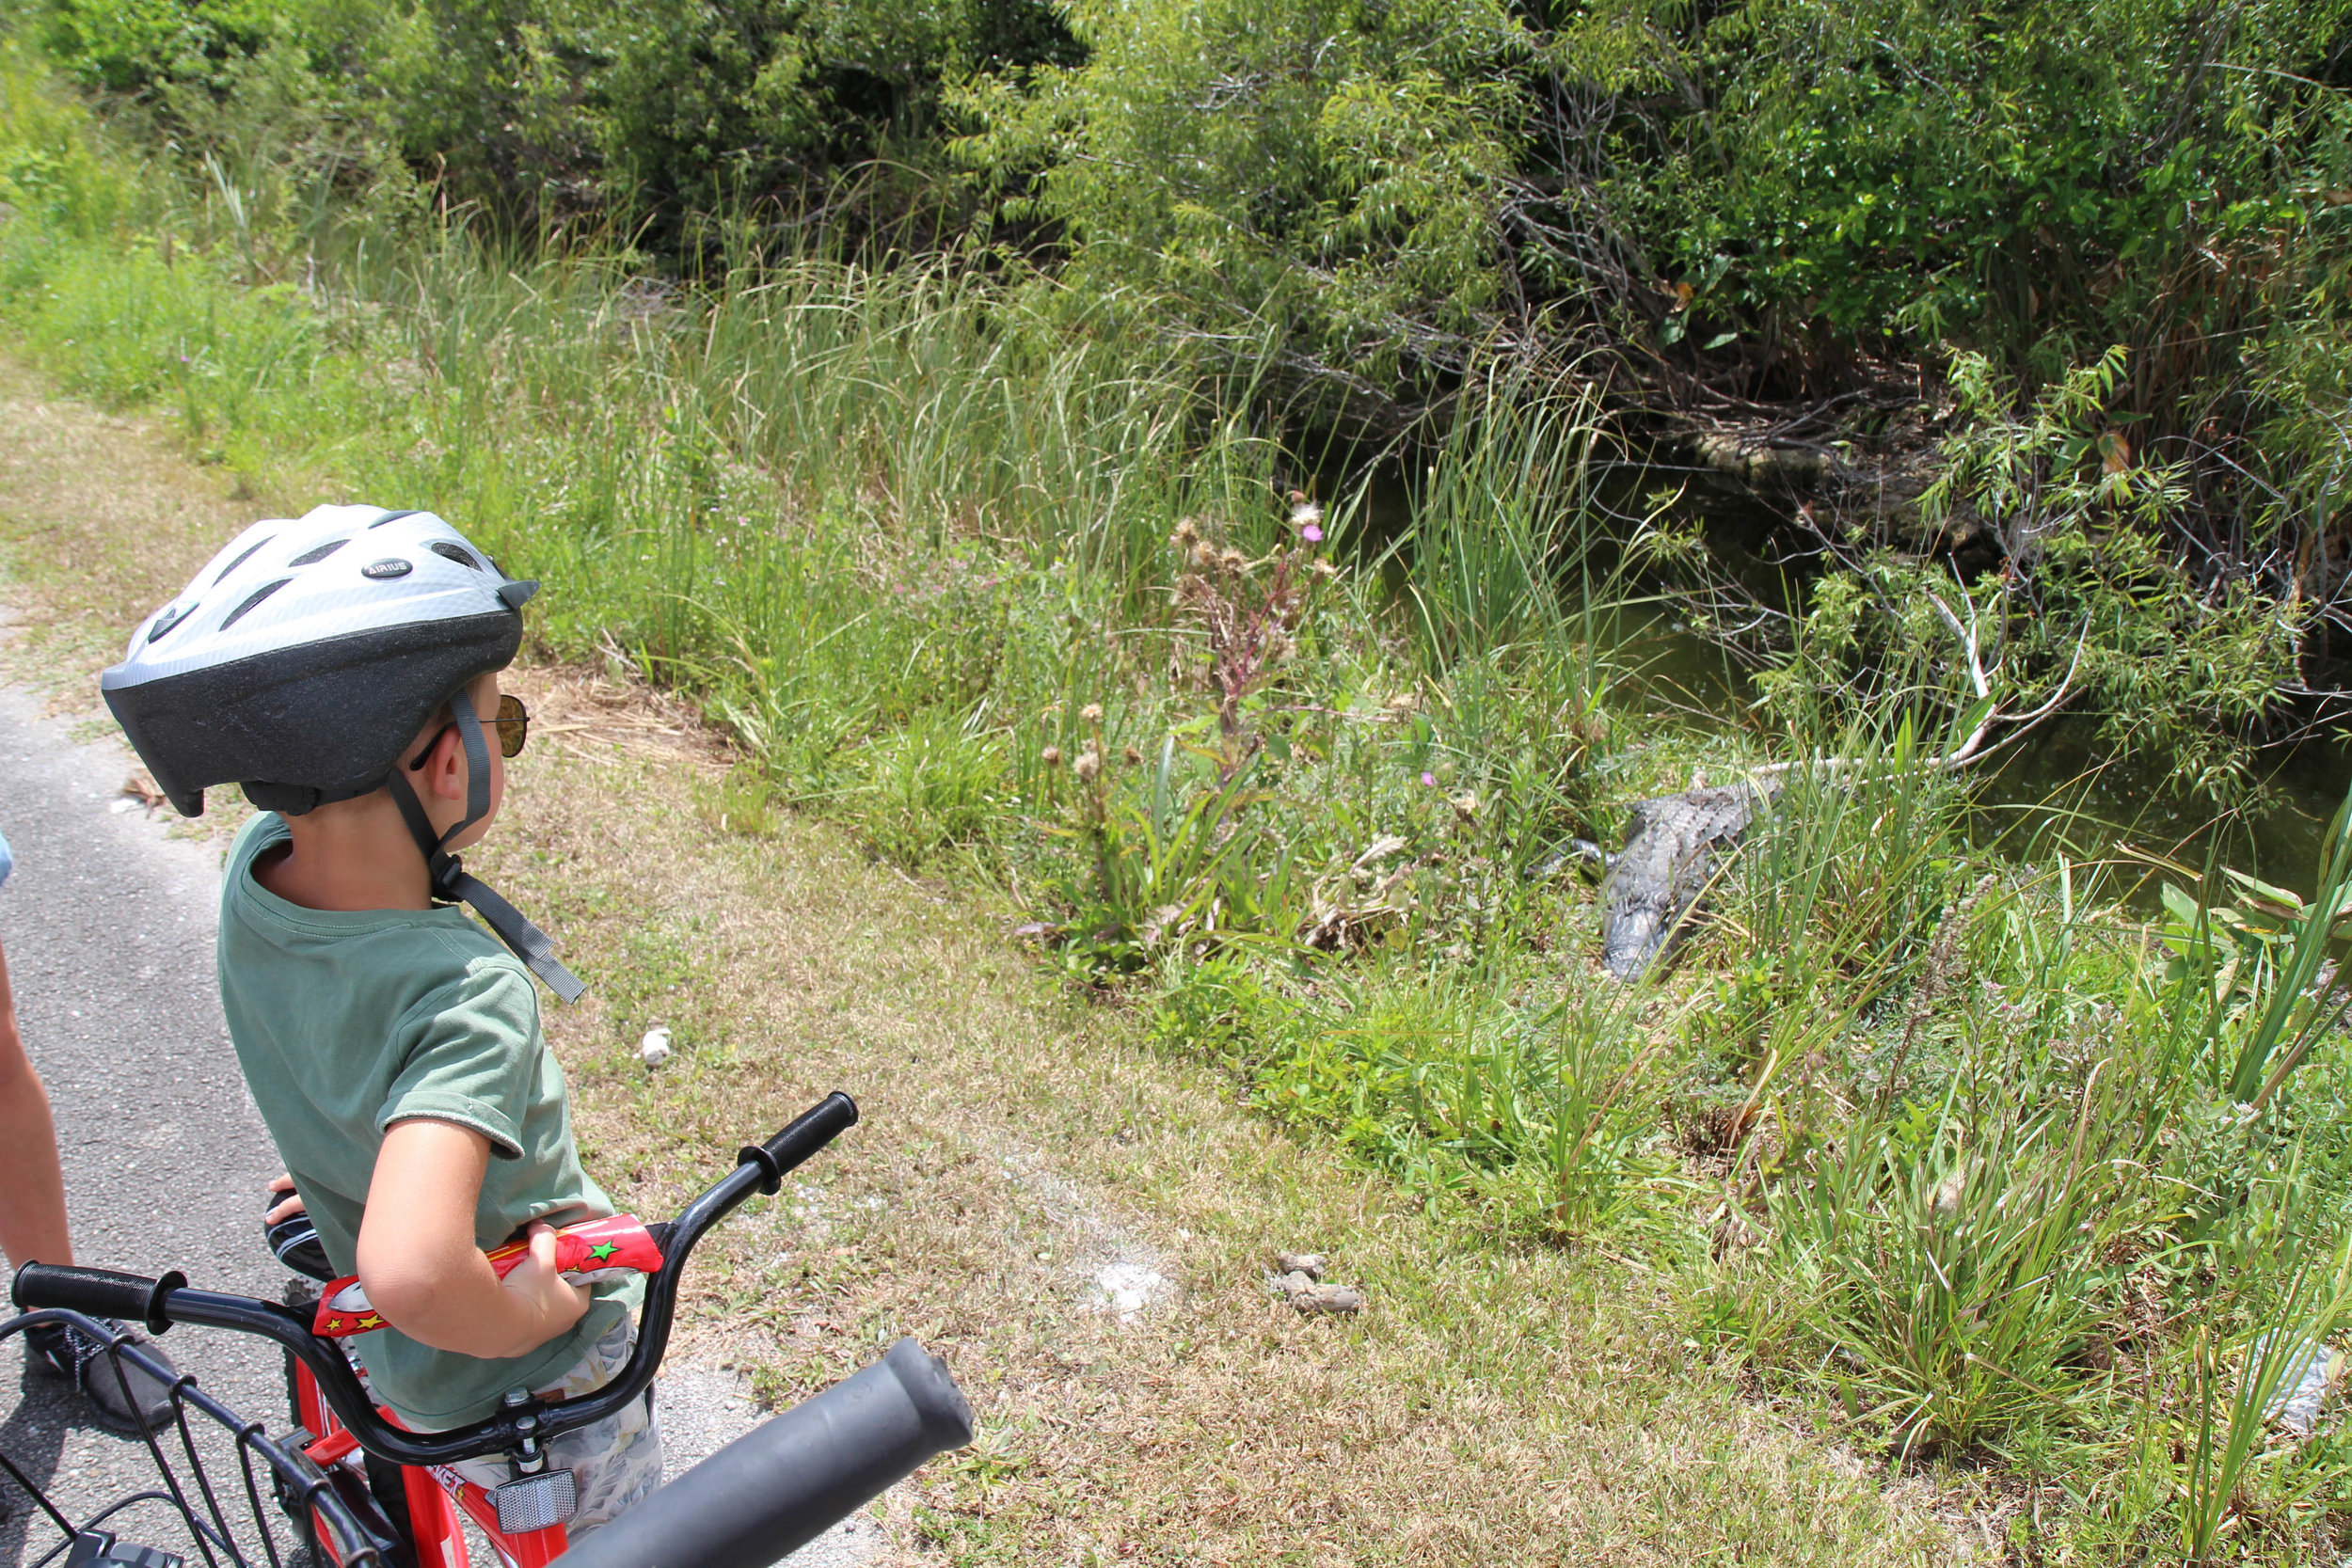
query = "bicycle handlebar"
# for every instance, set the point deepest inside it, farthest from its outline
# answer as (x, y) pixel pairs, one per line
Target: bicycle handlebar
(161, 1303)
(102, 1292)
(783, 1484)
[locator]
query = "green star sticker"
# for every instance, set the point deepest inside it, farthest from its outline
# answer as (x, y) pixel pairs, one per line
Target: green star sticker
(603, 1250)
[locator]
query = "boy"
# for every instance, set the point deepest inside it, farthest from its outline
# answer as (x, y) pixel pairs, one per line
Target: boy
(338, 669)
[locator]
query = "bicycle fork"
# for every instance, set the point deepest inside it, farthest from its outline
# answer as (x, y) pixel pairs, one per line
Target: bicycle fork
(433, 1497)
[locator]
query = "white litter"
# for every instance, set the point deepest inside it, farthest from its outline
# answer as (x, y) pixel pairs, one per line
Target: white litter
(654, 1049)
(2303, 1387)
(1130, 1287)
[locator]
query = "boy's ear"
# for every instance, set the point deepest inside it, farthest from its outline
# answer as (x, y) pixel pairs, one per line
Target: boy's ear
(444, 766)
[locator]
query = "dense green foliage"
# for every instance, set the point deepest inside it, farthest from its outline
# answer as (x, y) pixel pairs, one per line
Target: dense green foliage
(1788, 183)
(666, 114)
(2088, 608)
(2046, 178)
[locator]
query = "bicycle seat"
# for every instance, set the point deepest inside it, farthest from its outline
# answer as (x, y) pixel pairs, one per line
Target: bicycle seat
(296, 1242)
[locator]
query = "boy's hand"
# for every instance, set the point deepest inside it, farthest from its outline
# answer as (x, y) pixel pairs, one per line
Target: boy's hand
(284, 1183)
(541, 1291)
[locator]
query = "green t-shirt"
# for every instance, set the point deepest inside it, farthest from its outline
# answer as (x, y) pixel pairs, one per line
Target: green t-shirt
(348, 1022)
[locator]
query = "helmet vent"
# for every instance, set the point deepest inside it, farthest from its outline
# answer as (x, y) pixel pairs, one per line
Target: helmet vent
(253, 599)
(392, 517)
(453, 552)
(167, 620)
(239, 562)
(311, 558)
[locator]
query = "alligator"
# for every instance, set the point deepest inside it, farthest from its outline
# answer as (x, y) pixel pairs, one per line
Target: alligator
(1671, 847)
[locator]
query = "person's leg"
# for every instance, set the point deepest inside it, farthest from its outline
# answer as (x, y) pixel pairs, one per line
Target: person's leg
(32, 1188)
(33, 1230)
(617, 1461)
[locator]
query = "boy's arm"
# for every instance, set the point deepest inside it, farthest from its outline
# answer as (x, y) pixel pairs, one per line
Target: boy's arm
(419, 1263)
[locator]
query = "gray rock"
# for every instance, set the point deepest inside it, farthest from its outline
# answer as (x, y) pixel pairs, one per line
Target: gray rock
(1327, 1298)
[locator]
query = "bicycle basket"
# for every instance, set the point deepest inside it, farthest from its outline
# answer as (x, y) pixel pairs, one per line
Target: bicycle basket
(276, 1502)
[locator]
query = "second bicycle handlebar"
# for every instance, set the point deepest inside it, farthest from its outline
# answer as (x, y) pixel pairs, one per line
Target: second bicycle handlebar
(160, 1303)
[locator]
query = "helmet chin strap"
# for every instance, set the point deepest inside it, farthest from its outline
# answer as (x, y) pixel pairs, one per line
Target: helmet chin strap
(447, 878)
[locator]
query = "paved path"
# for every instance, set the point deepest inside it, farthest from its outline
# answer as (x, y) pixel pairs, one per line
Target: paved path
(107, 924)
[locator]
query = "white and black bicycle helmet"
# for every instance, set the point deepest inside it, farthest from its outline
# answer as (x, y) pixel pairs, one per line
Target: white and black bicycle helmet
(306, 656)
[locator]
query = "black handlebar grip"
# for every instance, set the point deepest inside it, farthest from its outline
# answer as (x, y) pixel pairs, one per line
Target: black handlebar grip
(783, 1484)
(95, 1293)
(811, 1131)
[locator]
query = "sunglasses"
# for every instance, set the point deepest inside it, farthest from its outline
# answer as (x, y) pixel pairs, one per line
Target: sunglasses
(513, 724)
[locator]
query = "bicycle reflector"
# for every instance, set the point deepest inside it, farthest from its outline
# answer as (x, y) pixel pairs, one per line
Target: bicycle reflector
(534, 1502)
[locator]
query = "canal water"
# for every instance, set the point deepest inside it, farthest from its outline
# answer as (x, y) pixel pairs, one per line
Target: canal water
(2062, 788)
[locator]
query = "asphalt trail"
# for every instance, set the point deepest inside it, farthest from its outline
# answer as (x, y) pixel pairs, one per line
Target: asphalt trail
(107, 923)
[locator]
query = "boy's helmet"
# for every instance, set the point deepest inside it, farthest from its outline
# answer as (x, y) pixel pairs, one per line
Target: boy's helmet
(306, 656)
(304, 659)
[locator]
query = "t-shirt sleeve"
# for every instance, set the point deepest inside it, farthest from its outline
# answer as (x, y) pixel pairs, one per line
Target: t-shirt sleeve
(470, 1056)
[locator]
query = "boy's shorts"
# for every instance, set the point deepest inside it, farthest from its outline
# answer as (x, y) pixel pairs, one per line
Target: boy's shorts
(617, 1461)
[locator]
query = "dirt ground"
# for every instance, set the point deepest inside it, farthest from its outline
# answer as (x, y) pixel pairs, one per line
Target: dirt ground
(1084, 1228)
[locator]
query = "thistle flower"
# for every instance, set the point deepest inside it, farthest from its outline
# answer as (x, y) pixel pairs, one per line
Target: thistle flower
(1051, 756)
(1307, 518)
(1185, 534)
(1130, 755)
(1232, 559)
(1090, 763)
(1322, 568)
(1091, 713)
(1429, 780)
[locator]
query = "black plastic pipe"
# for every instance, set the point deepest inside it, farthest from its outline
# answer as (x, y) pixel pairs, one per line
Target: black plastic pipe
(781, 1486)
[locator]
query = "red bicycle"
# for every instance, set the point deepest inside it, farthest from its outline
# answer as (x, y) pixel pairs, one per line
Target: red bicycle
(367, 1493)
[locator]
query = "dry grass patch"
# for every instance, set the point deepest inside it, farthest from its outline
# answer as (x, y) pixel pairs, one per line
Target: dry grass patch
(100, 522)
(1493, 1403)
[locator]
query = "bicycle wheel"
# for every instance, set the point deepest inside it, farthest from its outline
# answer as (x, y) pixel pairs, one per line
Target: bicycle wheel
(224, 1491)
